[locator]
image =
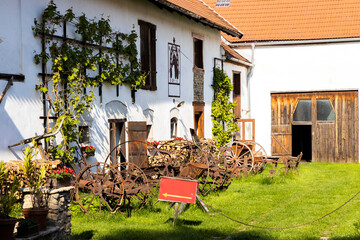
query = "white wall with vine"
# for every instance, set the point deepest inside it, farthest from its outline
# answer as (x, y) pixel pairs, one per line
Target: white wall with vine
(21, 108)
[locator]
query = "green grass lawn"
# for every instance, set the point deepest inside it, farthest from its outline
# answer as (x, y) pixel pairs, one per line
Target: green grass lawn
(280, 201)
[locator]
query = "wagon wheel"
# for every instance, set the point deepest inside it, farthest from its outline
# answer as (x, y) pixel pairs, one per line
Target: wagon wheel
(136, 184)
(226, 169)
(220, 171)
(260, 156)
(199, 154)
(206, 180)
(212, 180)
(96, 187)
(239, 157)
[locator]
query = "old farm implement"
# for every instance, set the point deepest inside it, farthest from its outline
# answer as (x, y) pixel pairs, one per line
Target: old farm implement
(133, 168)
(128, 174)
(247, 156)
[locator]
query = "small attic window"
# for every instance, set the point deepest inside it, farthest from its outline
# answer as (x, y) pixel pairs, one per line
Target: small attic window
(222, 3)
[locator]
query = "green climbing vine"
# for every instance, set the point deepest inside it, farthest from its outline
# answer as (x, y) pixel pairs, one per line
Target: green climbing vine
(222, 109)
(98, 55)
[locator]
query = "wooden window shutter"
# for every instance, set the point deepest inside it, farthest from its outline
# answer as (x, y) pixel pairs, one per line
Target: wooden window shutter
(153, 57)
(137, 132)
(144, 54)
(148, 53)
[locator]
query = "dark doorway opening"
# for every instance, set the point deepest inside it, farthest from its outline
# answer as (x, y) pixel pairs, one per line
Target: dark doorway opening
(301, 141)
(117, 136)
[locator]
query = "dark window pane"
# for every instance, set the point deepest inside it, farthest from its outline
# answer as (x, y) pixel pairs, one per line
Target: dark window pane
(237, 84)
(173, 127)
(85, 134)
(303, 111)
(325, 111)
(198, 53)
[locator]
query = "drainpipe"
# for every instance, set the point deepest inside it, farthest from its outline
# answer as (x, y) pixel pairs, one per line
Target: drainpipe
(250, 73)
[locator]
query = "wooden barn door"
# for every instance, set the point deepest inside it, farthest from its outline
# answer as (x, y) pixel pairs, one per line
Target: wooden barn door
(281, 110)
(324, 120)
(331, 128)
(137, 133)
(347, 127)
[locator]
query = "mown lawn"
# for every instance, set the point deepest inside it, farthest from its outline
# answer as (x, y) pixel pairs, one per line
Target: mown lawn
(280, 201)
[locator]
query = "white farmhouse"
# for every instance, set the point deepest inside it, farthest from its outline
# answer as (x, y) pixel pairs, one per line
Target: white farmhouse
(305, 80)
(177, 95)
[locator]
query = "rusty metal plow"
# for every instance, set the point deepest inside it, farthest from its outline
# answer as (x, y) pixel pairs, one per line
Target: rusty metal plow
(97, 187)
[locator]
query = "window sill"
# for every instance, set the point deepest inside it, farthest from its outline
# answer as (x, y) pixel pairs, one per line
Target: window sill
(149, 88)
(198, 70)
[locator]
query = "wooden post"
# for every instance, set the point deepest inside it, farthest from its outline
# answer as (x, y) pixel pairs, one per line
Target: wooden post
(8, 85)
(176, 212)
(202, 204)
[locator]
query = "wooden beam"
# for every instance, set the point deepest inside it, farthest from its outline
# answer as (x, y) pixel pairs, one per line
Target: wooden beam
(16, 77)
(8, 85)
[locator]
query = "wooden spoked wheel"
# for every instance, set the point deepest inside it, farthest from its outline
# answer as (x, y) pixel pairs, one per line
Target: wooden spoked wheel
(214, 176)
(97, 187)
(129, 158)
(240, 157)
(260, 156)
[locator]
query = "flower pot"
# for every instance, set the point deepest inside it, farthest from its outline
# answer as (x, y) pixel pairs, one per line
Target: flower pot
(89, 154)
(58, 182)
(39, 214)
(7, 228)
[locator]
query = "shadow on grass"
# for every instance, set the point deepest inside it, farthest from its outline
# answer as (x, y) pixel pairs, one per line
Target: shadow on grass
(179, 233)
(180, 222)
(251, 235)
(86, 235)
(355, 237)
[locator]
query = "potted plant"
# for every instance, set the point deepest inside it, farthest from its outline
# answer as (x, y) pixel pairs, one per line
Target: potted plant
(34, 180)
(60, 177)
(155, 144)
(27, 227)
(9, 186)
(88, 150)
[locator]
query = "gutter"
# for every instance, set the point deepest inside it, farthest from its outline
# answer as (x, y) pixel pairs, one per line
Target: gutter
(296, 42)
(241, 62)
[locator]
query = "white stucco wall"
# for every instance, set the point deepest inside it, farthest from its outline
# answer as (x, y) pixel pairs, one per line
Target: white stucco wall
(308, 67)
(230, 69)
(21, 108)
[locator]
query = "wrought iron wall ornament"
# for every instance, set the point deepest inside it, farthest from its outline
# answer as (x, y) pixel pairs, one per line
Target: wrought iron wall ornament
(174, 69)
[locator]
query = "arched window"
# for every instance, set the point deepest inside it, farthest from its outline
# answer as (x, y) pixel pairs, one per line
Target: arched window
(173, 127)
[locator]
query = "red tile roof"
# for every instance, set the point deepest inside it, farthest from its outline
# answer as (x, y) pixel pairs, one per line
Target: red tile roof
(282, 20)
(200, 11)
(231, 52)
